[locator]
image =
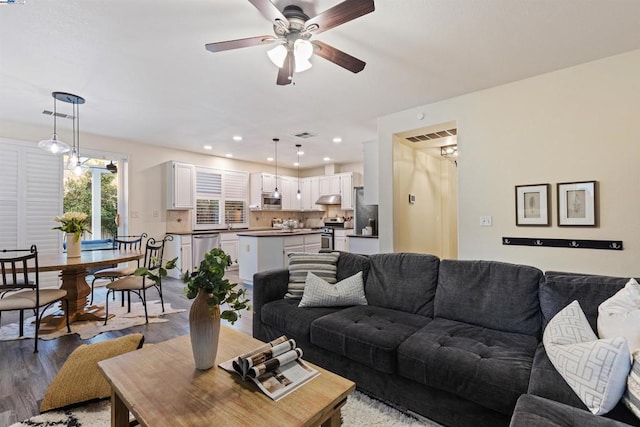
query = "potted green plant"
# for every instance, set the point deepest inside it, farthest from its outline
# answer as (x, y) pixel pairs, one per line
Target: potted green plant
(211, 290)
(73, 224)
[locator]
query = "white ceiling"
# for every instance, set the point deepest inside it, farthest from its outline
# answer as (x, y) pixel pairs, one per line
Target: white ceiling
(146, 76)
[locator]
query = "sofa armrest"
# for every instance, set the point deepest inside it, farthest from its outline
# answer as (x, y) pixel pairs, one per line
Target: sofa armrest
(540, 412)
(270, 285)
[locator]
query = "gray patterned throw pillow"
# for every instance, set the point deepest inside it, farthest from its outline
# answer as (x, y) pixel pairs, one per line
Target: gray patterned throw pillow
(318, 293)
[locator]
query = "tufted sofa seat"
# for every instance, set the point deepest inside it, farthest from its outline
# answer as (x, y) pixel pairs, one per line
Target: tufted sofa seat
(458, 342)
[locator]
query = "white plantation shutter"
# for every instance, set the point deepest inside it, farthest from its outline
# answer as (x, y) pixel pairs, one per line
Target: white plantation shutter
(30, 196)
(222, 197)
(236, 196)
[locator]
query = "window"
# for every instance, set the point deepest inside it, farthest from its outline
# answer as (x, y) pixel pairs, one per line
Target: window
(221, 198)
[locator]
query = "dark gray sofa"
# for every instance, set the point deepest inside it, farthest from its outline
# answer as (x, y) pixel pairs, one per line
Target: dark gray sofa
(458, 342)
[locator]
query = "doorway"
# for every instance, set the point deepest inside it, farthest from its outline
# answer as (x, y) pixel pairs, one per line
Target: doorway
(96, 188)
(425, 188)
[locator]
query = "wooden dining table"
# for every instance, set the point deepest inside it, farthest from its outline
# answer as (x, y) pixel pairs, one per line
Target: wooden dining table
(73, 272)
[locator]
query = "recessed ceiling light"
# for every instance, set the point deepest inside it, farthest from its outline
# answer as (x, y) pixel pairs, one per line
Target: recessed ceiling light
(337, 140)
(269, 159)
(208, 147)
(237, 138)
(326, 159)
(228, 155)
(296, 164)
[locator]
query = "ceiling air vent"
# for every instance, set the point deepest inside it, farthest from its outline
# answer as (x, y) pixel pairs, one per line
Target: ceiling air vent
(433, 135)
(305, 135)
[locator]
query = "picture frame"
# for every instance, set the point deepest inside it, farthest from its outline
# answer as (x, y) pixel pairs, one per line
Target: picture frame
(532, 205)
(577, 204)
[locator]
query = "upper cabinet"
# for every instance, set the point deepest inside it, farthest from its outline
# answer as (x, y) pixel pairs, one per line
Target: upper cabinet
(348, 180)
(370, 169)
(329, 184)
(180, 185)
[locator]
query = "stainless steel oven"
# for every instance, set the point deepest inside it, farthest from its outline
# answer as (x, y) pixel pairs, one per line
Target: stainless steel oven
(326, 239)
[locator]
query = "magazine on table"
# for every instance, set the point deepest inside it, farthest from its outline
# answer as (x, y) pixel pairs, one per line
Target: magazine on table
(276, 367)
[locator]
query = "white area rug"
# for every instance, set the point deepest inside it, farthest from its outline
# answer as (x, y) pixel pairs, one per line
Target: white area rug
(359, 411)
(89, 329)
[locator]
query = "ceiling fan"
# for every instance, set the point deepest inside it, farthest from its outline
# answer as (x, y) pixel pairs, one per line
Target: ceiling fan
(293, 29)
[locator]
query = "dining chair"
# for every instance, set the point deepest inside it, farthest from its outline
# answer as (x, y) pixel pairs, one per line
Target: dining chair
(20, 287)
(122, 243)
(153, 254)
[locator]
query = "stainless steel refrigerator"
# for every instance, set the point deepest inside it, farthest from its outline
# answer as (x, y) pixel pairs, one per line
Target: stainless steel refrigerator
(363, 215)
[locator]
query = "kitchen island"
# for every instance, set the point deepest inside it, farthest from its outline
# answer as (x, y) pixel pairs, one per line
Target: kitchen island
(266, 250)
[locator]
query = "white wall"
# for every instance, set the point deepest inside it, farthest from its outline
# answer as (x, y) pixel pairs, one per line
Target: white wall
(575, 124)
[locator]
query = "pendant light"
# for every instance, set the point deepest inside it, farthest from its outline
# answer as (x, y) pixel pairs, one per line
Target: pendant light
(276, 193)
(74, 163)
(298, 147)
(54, 145)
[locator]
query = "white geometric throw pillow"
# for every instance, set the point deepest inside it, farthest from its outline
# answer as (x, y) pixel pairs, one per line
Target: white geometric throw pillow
(319, 293)
(595, 369)
(620, 315)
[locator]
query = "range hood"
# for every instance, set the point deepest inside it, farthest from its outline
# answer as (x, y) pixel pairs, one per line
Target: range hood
(329, 199)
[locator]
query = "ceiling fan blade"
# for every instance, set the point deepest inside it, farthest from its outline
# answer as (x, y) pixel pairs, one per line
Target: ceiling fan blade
(286, 71)
(343, 12)
(338, 57)
(269, 11)
(237, 44)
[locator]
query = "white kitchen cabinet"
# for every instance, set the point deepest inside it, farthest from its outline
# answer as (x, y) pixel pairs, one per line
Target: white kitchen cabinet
(364, 245)
(296, 204)
(229, 244)
(181, 248)
(289, 188)
(180, 185)
(340, 239)
(308, 243)
(370, 169)
(329, 184)
(258, 253)
(310, 189)
(348, 180)
(260, 182)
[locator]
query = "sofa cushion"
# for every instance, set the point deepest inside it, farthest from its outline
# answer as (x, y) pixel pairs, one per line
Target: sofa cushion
(323, 265)
(631, 397)
(403, 281)
(595, 369)
(539, 412)
(559, 289)
(492, 294)
(318, 293)
(485, 366)
(285, 315)
(350, 264)
(366, 334)
(620, 315)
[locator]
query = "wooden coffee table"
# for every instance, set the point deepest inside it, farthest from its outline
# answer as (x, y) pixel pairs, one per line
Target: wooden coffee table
(160, 385)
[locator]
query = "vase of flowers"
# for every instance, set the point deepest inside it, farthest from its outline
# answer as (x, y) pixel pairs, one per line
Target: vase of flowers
(211, 291)
(74, 224)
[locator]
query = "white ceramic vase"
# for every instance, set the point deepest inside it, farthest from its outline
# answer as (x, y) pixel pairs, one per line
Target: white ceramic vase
(204, 329)
(74, 246)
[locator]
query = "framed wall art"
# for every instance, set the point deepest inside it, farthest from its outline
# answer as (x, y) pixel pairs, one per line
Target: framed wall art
(532, 204)
(577, 203)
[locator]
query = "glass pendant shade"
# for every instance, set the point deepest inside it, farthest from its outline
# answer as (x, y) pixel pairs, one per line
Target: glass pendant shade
(79, 168)
(302, 51)
(54, 145)
(298, 195)
(277, 55)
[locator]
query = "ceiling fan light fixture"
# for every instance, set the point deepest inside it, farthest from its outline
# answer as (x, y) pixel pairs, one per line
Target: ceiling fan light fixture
(302, 49)
(277, 55)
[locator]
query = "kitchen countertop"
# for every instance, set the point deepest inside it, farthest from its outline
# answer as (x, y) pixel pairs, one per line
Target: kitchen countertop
(278, 233)
(222, 230)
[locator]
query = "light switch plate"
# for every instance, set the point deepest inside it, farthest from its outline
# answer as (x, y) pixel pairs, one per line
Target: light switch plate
(486, 221)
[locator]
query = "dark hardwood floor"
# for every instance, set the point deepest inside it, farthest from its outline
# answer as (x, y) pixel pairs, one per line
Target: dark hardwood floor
(25, 376)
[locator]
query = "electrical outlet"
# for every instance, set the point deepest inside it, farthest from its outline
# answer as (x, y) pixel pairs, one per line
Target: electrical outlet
(155, 214)
(485, 221)
(135, 214)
